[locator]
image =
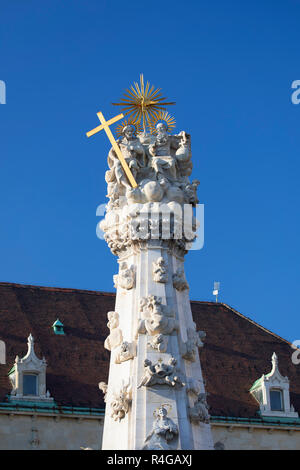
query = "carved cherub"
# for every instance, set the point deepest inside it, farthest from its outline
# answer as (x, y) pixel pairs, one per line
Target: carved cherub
(115, 337)
(159, 270)
(126, 277)
(173, 378)
(193, 386)
(159, 342)
(160, 374)
(194, 341)
(179, 280)
(121, 402)
(126, 351)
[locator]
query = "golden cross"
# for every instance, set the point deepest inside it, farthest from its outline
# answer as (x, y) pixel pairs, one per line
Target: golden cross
(105, 125)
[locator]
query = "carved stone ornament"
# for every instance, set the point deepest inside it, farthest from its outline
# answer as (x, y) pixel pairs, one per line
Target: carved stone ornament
(156, 318)
(125, 352)
(161, 374)
(121, 402)
(179, 280)
(115, 337)
(160, 270)
(199, 412)
(159, 343)
(194, 341)
(164, 431)
(193, 386)
(103, 387)
(126, 277)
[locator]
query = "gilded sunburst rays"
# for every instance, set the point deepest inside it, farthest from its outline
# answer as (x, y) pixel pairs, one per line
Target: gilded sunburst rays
(142, 102)
(128, 122)
(162, 116)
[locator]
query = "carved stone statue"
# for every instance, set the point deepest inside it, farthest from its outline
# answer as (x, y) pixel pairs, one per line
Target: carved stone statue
(159, 343)
(161, 158)
(160, 270)
(179, 280)
(199, 412)
(160, 374)
(115, 337)
(190, 192)
(126, 277)
(126, 351)
(121, 402)
(133, 153)
(194, 341)
(163, 432)
(184, 154)
(193, 386)
(156, 318)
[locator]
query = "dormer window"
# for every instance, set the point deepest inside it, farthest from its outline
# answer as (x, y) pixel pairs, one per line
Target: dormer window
(272, 391)
(28, 377)
(58, 327)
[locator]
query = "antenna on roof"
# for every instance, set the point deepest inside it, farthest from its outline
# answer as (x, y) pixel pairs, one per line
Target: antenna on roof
(216, 290)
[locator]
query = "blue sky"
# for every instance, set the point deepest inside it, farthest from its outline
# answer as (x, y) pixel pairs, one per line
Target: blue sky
(228, 65)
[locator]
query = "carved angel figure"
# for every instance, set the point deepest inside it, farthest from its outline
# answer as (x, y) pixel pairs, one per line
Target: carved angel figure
(194, 341)
(159, 342)
(121, 403)
(115, 337)
(126, 351)
(160, 374)
(159, 270)
(179, 280)
(164, 430)
(126, 277)
(193, 386)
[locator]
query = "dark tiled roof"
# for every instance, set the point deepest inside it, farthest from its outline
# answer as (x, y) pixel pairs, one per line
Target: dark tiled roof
(237, 351)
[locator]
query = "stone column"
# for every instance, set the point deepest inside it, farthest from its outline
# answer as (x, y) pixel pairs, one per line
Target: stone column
(155, 397)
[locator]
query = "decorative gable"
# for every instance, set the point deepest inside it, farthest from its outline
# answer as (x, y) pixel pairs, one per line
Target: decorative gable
(28, 377)
(272, 391)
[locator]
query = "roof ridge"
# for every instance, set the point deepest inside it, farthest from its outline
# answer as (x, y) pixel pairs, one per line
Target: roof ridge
(255, 323)
(49, 288)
